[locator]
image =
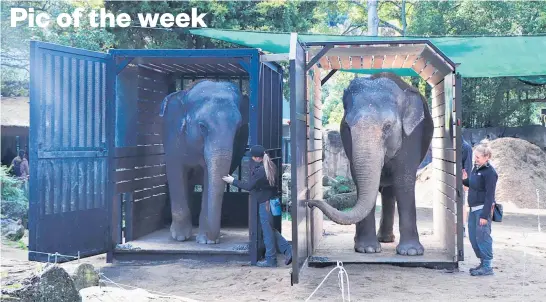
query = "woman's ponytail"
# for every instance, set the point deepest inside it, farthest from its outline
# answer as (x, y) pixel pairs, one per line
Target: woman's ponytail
(270, 169)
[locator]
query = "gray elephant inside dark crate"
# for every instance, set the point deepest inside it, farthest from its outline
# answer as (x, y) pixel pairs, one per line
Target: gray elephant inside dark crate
(386, 131)
(205, 136)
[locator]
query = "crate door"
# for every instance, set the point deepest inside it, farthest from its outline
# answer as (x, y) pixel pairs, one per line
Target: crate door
(70, 138)
(298, 162)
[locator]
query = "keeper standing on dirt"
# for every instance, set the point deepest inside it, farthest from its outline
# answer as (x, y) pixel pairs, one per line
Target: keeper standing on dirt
(482, 183)
(261, 186)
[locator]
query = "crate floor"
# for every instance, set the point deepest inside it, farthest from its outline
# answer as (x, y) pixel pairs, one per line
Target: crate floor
(340, 247)
(232, 240)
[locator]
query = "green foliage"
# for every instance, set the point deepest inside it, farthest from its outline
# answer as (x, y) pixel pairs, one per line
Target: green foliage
(14, 200)
(342, 185)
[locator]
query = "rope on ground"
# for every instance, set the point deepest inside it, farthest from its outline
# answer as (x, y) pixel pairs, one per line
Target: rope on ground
(538, 210)
(108, 280)
(341, 282)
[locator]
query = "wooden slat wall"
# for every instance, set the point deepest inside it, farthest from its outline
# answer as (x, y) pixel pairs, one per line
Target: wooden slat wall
(140, 169)
(314, 152)
(444, 158)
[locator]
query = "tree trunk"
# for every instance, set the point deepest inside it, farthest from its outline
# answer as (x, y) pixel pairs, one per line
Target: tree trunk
(373, 19)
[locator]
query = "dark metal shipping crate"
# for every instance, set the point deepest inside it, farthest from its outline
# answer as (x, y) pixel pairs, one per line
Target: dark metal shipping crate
(306, 61)
(97, 169)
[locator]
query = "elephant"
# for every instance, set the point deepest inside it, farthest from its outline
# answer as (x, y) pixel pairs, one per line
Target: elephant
(386, 131)
(205, 134)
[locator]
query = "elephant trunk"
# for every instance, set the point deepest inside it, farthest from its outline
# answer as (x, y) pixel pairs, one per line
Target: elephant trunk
(218, 164)
(367, 162)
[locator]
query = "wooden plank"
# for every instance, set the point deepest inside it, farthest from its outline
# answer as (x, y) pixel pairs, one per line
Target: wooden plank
(438, 100)
(419, 65)
(150, 192)
(139, 151)
(324, 63)
(389, 59)
(438, 110)
(409, 61)
(427, 72)
(149, 84)
(152, 107)
(399, 61)
(445, 166)
(149, 139)
(439, 120)
(446, 178)
(367, 62)
(345, 62)
(149, 128)
(148, 215)
(436, 78)
(144, 117)
(439, 132)
(149, 95)
(436, 61)
(132, 185)
(356, 62)
(153, 74)
(378, 62)
(133, 174)
(438, 89)
(334, 62)
(444, 154)
(139, 161)
(374, 50)
(449, 194)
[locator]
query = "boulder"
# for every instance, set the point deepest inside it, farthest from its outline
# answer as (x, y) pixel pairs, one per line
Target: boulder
(52, 284)
(11, 229)
(342, 201)
(85, 276)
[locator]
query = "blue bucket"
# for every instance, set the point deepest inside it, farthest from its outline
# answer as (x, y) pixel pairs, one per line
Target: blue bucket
(275, 206)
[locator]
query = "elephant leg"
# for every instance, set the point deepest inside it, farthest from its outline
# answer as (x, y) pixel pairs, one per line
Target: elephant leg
(385, 233)
(405, 197)
(203, 216)
(181, 226)
(365, 238)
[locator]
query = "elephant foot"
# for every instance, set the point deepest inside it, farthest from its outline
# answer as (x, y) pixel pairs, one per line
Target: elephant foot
(385, 238)
(180, 232)
(202, 239)
(367, 246)
(410, 248)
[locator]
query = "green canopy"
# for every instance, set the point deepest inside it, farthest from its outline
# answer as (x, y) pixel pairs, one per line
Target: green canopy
(514, 56)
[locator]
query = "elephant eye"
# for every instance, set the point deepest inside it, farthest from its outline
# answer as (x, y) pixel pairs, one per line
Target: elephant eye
(203, 127)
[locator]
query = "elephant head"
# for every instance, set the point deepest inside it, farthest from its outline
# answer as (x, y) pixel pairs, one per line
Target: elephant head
(378, 116)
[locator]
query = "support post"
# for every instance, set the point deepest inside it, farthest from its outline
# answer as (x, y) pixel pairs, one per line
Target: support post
(327, 77)
(317, 57)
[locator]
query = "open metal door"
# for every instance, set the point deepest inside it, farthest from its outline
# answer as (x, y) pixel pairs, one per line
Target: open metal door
(298, 161)
(71, 129)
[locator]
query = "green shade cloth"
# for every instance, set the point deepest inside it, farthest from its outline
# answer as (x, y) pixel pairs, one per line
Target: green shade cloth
(514, 56)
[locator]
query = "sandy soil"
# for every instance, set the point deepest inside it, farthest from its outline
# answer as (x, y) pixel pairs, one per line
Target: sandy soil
(520, 263)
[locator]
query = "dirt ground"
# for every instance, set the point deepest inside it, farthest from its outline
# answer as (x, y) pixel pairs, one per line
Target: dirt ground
(520, 264)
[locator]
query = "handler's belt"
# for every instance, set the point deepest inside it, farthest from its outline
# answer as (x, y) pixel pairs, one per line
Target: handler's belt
(476, 208)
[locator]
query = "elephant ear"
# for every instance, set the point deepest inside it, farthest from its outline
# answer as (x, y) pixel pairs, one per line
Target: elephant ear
(413, 112)
(174, 103)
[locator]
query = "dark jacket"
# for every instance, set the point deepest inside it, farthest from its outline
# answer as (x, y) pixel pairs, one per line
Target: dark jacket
(482, 183)
(467, 156)
(257, 185)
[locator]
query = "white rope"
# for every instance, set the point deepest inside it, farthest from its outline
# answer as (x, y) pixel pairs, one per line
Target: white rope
(108, 280)
(341, 282)
(538, 210)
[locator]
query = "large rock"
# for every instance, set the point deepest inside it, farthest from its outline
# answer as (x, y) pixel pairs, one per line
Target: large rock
(335, 160)
(85, 276)
(342, 201)
(11, 229)
(52, 284)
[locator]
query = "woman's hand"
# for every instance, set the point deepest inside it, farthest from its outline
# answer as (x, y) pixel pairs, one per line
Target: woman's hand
(465, 176)
(483, 221)
(228, 179)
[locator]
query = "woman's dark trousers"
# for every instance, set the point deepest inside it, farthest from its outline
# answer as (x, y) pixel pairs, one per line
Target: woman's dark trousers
(272, 238)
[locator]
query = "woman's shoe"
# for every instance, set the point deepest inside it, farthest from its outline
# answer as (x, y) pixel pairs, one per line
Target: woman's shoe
(475, 268)
(267, 263)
